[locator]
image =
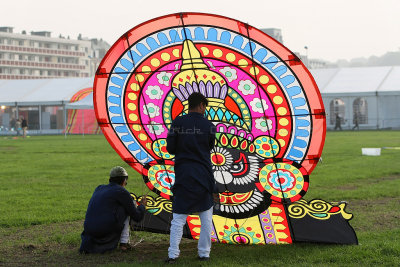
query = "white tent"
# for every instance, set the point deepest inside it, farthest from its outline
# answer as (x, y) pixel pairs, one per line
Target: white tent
(42, 100)
(41, 91)
(370, 93)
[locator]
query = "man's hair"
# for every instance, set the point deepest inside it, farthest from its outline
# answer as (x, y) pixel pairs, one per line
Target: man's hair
(196, 99)
(118, 179)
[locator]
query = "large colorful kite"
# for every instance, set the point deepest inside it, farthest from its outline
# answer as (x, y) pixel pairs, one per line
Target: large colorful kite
(267, 110)
(82, 121)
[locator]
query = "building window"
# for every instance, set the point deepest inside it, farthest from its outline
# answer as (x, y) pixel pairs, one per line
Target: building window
(336, 107)
(360, 111)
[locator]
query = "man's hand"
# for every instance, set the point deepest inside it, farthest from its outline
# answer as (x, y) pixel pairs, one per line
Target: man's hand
(143, 201)
(216, 197)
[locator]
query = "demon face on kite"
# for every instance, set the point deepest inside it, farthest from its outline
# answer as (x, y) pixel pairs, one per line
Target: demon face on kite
(263, 101)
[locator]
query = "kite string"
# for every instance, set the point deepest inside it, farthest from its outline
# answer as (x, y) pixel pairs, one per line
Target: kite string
(150, 123)
(196, 79)
(152, 126)
(258, 89)
(255, 76)
(266, 117)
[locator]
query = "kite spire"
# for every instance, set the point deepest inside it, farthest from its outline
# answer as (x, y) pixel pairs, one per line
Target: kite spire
(195, 76)
(191, 57)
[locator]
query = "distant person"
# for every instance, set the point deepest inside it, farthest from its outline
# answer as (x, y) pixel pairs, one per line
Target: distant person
(338, 122)
(24, 125)
(191, 138)
(356, 122)
(108, 214)
(12, 124)
(18, 127)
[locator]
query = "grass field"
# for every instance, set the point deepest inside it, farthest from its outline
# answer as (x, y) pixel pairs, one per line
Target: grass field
(46, 183)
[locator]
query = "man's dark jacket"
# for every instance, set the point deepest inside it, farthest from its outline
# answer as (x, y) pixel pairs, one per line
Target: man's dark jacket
(190, 139)
(108, 209)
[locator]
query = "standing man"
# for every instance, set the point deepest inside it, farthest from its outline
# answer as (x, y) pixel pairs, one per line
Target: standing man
(338, 122)
(18, 127)
(24, 125)
(107, 217)
(190, 139)
(356, 121)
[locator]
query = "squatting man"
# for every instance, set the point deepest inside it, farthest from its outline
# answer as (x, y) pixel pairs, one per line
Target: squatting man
(108, 215)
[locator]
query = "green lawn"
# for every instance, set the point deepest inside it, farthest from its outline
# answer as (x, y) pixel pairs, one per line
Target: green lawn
(46, 183)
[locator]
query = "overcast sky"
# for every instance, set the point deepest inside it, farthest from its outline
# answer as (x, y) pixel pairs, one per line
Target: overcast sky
(340, 29)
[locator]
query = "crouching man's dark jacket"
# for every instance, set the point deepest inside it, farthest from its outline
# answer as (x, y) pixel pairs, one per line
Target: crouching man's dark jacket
(108, 209)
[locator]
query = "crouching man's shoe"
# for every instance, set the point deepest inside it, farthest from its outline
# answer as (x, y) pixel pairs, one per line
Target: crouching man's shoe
(125, 246)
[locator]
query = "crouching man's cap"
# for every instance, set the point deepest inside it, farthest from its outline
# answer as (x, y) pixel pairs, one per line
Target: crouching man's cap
(118, 171)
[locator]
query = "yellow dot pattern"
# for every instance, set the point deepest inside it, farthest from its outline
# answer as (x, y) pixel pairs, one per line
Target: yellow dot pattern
(146, 69)
(176, 52)
(131, 106)
(167, 107)
(284, 122)
(133, 117)
(254, 71)
(132, 96)
(264, 79)
(217, 53)
(165, 56)
(278, 100)
(230, 57)
(243, 63)
(155, 62)
(282, 142)
(282, 111)
(135, 87)
(136, 127)
(139, 78)
(271, 89)
(142, 137)
(283, 132)
(205, 50)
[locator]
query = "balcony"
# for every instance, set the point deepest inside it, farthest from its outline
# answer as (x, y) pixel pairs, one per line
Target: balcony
(27, 76)
(41, 65)
(41, 51)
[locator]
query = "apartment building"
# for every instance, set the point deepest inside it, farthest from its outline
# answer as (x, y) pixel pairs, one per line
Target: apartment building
(38, 55)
